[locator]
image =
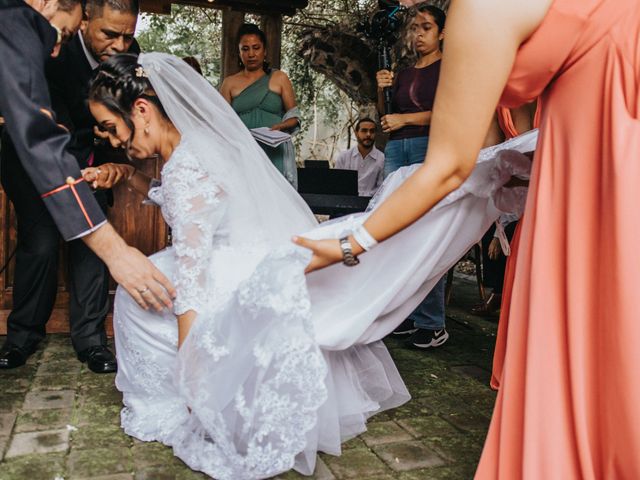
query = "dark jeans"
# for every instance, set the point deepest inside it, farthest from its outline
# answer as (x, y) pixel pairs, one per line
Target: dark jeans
(401, 153)
(430, 313)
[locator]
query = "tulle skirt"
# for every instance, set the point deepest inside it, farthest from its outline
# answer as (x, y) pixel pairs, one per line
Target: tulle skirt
(250, 394)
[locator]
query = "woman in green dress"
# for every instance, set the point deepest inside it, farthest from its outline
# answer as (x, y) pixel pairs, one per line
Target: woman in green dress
(264, 97)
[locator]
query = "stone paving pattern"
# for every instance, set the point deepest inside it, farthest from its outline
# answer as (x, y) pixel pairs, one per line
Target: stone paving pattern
(58, 420)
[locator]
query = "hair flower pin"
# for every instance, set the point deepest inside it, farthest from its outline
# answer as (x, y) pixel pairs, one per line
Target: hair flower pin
(140, 73)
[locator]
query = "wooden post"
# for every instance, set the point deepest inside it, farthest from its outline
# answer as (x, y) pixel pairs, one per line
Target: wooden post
(231, 23)
(153, 6)
(271, 24)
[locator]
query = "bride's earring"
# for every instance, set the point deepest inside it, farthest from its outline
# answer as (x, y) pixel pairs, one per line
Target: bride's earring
(146, 129)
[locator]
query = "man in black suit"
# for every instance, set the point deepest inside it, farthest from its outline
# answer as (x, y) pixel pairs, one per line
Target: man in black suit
(108, 29)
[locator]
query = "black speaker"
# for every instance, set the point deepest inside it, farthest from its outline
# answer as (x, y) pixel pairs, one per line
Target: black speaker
(328, 181)
(316, 164)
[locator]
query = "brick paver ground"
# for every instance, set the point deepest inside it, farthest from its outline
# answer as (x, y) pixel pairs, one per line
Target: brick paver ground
(60, 421)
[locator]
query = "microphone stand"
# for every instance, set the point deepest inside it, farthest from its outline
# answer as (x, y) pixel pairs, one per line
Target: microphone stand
(384, 63)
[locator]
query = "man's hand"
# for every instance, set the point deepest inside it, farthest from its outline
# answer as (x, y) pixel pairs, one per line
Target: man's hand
(145, 283)
(384, 79)
(392, 122)
(495, 250)
(131, 269)
(107, 175)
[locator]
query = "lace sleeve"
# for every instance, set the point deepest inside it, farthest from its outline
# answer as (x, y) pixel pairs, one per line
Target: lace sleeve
(197, 208)
(154, 196)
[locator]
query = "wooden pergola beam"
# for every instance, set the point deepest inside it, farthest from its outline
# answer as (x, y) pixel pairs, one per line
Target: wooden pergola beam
(271, 25)
(282, 7)
(231, 23)
(155, 6)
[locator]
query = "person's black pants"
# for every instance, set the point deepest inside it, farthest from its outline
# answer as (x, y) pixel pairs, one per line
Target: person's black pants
(493, 270)
(36, 270)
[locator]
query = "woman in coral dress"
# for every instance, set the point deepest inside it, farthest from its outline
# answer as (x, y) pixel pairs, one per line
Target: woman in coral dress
(569, 399)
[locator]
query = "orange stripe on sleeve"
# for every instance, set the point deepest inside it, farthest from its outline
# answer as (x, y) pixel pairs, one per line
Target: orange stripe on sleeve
(71, 183)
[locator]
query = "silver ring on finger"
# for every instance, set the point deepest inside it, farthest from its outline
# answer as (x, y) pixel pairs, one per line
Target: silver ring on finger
(144, 290)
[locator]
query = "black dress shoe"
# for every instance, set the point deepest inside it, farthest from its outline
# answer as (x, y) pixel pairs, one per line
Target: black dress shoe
(12, 356)
(99, 359)
(489, 307)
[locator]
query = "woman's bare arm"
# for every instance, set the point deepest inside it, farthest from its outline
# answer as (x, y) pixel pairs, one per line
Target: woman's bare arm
(225, 89)
(288, 99)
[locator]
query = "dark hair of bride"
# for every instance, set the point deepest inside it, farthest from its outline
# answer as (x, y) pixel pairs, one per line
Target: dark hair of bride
(253, 29)
(118, 82)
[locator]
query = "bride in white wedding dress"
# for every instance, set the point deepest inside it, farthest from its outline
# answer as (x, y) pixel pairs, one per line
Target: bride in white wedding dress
(258, 367)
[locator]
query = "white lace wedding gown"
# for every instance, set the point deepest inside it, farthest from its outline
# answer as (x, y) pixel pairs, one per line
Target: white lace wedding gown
(278, 366)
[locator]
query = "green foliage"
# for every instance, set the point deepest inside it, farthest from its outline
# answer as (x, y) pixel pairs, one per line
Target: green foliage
(188, 31)
(312, 87)
(309, 86)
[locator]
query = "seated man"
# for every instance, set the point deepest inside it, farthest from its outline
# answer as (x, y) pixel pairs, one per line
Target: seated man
(365, 158)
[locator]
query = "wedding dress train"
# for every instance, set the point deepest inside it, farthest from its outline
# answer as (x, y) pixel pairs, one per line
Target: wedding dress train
(277, 365)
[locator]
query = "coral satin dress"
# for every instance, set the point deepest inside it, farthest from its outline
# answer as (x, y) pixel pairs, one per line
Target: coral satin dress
(569, 400)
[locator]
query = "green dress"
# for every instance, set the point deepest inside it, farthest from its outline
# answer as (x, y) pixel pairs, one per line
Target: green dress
(257, 106)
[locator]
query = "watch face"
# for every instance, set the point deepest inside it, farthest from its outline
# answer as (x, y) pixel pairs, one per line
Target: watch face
(351, 261)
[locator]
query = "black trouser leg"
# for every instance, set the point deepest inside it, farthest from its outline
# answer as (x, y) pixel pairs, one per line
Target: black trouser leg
(88, 296)
(35, 277)
(509, 230)
(490, 268)
(35, 284)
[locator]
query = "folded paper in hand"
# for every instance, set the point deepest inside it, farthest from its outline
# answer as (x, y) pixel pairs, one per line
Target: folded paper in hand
(272, 138)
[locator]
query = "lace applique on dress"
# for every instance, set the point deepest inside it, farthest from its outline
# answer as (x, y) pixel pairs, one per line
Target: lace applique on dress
(193, 204)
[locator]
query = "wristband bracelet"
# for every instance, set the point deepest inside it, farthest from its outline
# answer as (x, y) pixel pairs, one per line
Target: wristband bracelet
(364, 238)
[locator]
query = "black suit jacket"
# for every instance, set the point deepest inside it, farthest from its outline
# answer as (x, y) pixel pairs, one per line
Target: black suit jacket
(69, 76)
(26, 41)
